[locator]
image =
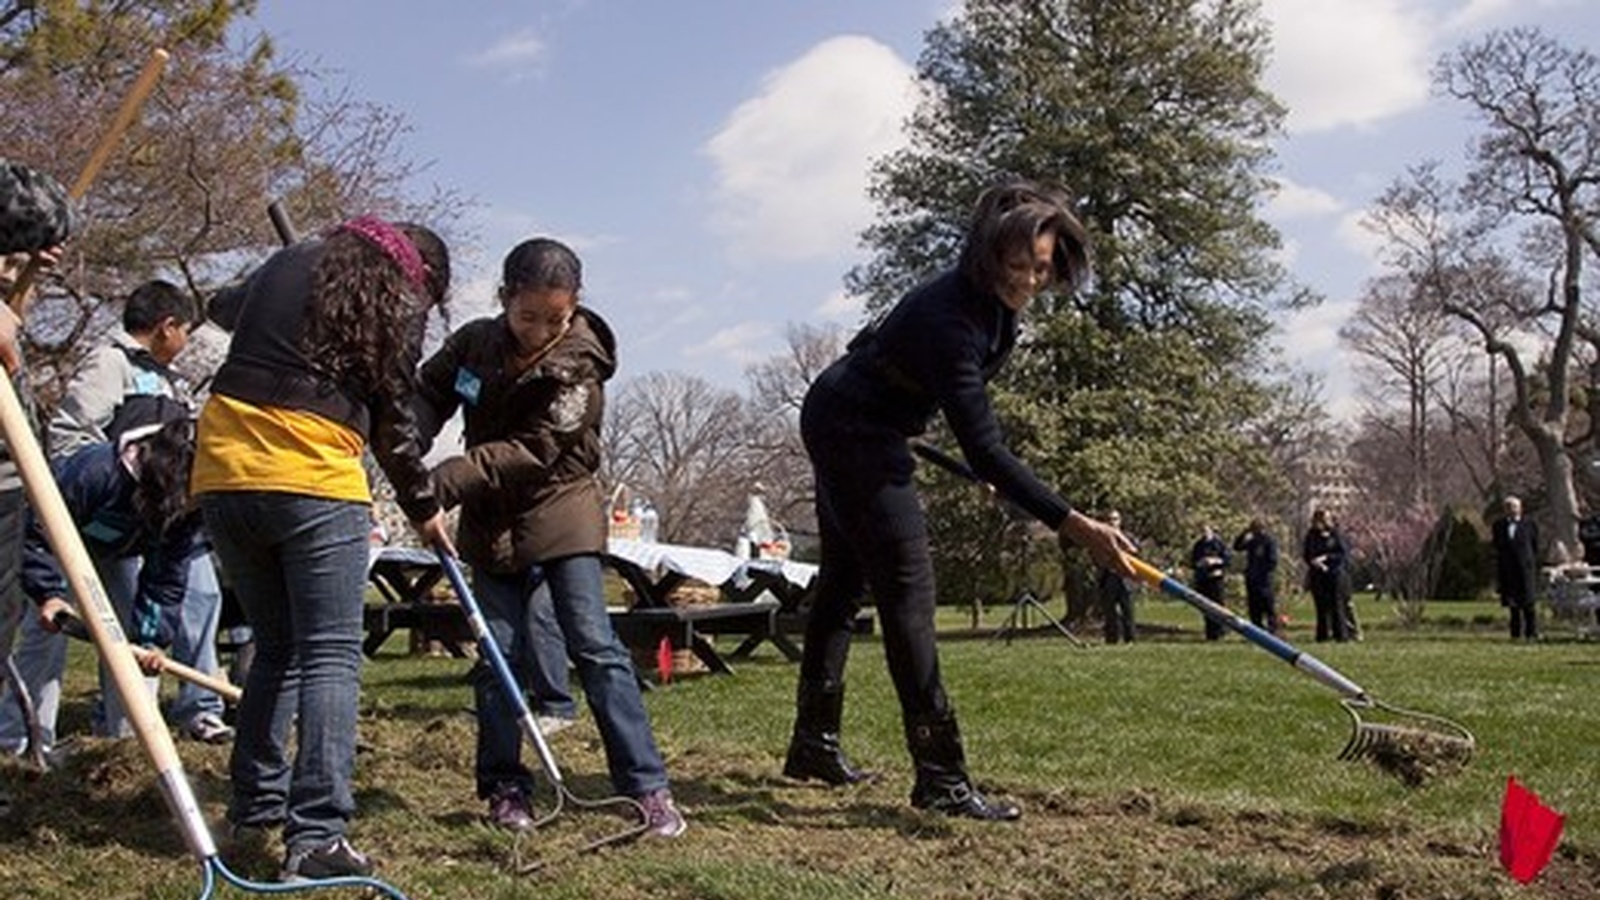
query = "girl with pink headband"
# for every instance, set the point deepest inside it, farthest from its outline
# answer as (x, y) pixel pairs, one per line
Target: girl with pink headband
(321, 368)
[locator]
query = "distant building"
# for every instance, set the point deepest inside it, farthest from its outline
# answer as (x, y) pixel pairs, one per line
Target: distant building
(1327, 481)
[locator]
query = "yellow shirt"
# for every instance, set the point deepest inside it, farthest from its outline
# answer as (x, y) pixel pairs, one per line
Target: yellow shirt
(244, 447)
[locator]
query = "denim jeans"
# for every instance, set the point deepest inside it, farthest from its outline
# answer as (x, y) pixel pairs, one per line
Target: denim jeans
(41, 660)
(298, 565)
(545, 657)
(13, 604)
(604, 669)
(195, 644)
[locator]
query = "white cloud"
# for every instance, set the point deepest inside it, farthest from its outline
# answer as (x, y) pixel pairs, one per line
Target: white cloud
(1339, 63)
(519, 54)
(791, 162)
(1310, 339)
(1296, 201)
(841, 306)
(741, 344)
(1353, 234)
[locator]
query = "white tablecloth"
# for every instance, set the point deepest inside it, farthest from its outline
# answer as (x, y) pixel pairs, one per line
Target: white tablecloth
(708, 564)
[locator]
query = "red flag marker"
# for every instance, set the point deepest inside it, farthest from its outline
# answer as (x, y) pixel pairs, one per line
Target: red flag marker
(664, 660)
(1529, 832)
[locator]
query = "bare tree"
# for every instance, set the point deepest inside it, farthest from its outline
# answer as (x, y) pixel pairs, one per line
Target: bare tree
(777, 389)
(683, 445)
(229, 128)
(1536, 172)
(1409, 357)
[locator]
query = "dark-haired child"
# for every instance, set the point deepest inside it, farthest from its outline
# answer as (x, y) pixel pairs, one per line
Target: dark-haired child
(530, 384)
(321, 368)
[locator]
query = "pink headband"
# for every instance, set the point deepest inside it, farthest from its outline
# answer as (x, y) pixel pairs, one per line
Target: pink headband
(394, 244)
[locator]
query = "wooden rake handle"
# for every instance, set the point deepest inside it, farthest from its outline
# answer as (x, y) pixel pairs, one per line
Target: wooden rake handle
(102, 152)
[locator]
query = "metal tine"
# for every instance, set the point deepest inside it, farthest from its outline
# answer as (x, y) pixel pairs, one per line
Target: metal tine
(1368, 739)
(563, 795)
(530, 728)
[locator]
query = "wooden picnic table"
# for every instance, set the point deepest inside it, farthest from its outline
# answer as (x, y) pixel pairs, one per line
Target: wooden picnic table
(755, 595)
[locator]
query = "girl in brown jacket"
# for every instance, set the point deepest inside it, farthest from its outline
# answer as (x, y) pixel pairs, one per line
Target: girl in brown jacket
(530, 384)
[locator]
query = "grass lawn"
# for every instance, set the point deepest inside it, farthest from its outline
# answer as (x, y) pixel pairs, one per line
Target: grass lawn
(1168, 768)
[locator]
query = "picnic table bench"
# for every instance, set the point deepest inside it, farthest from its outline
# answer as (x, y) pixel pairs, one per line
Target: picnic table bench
(405, 578)
(758, 600)
(747, 606)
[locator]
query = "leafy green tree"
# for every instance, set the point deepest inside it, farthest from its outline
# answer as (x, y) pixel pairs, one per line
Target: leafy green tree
(1138, 392)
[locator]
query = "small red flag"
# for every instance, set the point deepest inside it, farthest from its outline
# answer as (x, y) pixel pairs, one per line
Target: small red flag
(1529, 832)
(664, 660)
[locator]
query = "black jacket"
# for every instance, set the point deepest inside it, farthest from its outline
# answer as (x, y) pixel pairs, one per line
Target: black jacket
(936, 351)
(98, 492)
(1516, 559)
(267, 366)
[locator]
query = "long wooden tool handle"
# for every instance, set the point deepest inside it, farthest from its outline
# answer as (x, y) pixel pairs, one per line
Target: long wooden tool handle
(101, 620)
(73, 627)
(108, 143)
(218, 685)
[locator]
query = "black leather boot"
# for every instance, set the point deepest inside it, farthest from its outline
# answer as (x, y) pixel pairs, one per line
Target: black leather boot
(814, 750)
(942, 783)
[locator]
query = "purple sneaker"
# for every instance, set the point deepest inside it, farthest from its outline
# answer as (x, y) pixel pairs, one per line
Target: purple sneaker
(509, 808)
(662, 814)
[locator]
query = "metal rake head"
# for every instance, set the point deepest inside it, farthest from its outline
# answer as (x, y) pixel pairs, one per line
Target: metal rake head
(627, 807)
(1413, 746)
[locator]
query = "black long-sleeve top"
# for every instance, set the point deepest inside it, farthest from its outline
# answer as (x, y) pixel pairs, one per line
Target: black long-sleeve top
(936, 351)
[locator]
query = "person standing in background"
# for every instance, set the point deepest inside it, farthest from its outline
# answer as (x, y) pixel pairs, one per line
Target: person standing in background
(1516, 558)
(1209, 558)
(1116, 596)
(1324, 553)
(1260, 551)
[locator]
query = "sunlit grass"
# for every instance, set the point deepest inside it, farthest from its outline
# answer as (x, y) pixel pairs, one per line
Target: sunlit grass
(1166, 768)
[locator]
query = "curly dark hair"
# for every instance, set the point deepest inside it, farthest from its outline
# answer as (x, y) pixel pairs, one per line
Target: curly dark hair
(365, 316)
(161, 492)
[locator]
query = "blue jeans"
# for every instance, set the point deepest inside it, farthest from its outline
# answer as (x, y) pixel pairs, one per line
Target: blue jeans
(41, 660)
(544, 658)
(298, 565)
(604, 668)
(195, 644)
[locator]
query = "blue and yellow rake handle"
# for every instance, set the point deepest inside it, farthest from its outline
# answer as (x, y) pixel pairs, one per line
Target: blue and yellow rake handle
(1250, 631)
(1216, 612)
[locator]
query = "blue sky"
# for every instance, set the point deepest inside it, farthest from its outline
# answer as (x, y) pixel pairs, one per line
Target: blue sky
(708, 158)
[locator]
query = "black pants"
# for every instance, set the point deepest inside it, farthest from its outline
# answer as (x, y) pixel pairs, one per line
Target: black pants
(1524, 620)
(1116, 607)
(874, 538)
(1212, 589)
(1262, 606)
(1331, 622)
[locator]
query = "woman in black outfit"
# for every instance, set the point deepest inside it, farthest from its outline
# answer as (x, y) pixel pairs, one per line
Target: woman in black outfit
(934, 352)
(1324, 552)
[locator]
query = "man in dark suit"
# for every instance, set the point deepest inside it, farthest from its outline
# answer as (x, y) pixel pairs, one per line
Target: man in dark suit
(1516, 553)
(1260, 551)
